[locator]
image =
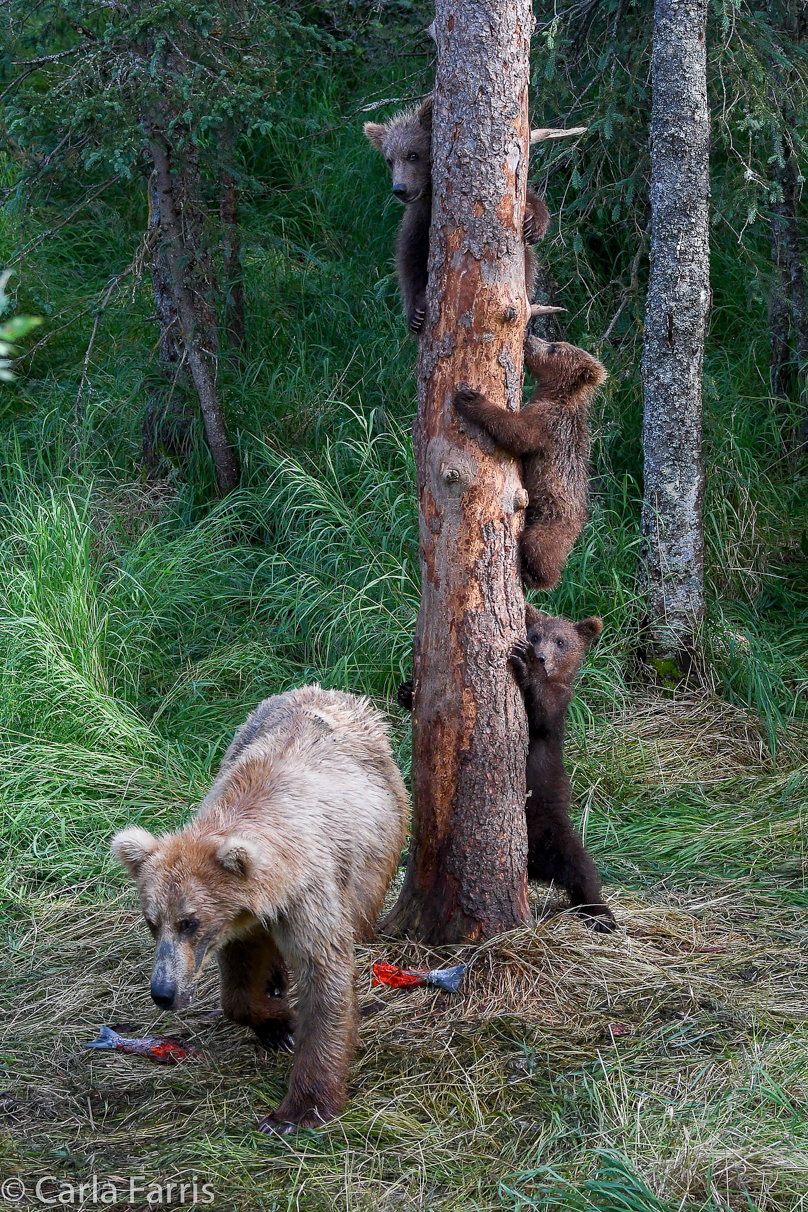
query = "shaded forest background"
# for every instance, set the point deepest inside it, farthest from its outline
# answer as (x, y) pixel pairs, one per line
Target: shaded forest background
(142, 614)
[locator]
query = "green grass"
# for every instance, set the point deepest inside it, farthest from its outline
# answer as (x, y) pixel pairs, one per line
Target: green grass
(140, 619)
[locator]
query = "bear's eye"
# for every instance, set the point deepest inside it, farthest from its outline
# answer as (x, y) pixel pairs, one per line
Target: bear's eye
(152, 925)
(560, 642)
(187, 925)
(389, 162)
(412, 156)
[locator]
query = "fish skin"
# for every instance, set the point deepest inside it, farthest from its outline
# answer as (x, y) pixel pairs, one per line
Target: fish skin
(156, 1048)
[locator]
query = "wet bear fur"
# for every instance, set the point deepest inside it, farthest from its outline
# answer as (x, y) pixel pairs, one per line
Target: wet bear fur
(285, 865)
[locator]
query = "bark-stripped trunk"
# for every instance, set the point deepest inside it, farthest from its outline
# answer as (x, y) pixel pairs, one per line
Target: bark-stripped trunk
(672, 550)
(198, 328)
(466, 877)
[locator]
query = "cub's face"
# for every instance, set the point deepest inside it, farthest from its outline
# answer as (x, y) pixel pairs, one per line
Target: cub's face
(194, 895)
(405, 142)
(559, 645)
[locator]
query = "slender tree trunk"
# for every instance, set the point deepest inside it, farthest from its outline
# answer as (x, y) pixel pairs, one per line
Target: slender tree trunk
(791, 265)
(199, 337)
(788, 307)
(780, 367)
(466, 877)
(672, 549)
(234, 325)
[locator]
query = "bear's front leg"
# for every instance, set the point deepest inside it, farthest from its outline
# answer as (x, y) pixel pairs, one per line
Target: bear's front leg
(254, 980)
(328, 1021)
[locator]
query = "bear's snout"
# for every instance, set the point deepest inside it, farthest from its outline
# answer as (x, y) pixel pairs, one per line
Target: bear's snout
(163, 993)
(400, 190)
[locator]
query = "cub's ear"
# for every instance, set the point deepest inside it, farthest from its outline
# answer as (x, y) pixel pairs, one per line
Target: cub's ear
(591, 374)
(425, 115)
(532, 615)
(375, 132)
(132, 847)
(589, 629)
(238, 855)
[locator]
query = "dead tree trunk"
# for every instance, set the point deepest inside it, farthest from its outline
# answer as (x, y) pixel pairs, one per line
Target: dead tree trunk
(788, 306)
(780, 366)
(198, 332)
(672, 550)
(233, 284)
(466, 876)
(789, 267)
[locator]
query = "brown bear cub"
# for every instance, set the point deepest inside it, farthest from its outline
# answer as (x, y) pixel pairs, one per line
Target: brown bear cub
(551, 433)
(285, 864)
(406, 144)
(544, 665)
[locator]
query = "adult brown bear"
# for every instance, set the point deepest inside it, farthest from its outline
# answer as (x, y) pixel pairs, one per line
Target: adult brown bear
(285, 864)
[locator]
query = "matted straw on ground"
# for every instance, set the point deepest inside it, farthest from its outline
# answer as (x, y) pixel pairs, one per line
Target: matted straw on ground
(673, 1050)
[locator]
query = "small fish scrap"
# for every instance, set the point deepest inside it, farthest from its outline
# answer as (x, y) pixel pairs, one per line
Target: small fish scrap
(156, 1048)
(410, 978)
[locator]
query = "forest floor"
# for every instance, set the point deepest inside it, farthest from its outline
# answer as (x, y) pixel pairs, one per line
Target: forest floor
(662, 1068)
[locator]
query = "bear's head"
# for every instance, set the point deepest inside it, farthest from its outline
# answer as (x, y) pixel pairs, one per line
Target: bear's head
(406, 143)
(197, 893)
(567, 370)
(560, 645)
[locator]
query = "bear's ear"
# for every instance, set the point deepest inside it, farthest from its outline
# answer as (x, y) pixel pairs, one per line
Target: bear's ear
(532, 615)
(425, 115)
(589, 629)
(238, 855)
(375, 132)
(132, 847)
(591, 374)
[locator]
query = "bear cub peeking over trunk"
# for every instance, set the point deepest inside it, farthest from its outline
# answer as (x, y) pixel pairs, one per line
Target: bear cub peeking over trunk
(551, 433)
(285, 864)
(544, 665)
(406, 144)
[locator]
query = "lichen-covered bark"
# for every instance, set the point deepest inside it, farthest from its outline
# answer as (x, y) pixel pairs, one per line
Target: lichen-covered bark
(672, 550)
(466, 877)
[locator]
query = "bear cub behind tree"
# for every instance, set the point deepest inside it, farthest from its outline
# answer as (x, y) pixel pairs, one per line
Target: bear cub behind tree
(285, 864)
(406, 144)
(545, 664)
(551, 433)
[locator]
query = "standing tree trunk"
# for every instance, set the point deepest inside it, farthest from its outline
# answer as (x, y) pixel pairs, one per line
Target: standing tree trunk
(780, 367)
(678, 301)
(788, 307)
(234, 325)
(789, 272)
(198, 329)
(466, 877)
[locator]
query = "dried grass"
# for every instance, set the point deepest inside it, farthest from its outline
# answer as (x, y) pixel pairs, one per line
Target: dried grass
(560, 1045)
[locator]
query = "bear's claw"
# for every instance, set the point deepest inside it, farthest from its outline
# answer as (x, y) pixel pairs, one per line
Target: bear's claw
(415, 320)
(276, 1036)
(599, 918)
(466, 398)
(274, 1127)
